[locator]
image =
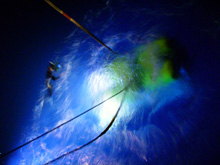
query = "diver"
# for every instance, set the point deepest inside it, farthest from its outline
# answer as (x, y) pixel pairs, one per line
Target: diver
(51, 68)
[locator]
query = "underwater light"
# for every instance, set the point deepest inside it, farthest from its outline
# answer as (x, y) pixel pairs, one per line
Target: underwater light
(101, 87)
(98, 83)
(107, 111)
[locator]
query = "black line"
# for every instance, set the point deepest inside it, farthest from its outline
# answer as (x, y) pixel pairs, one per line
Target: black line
(1, 156)
(103, 132)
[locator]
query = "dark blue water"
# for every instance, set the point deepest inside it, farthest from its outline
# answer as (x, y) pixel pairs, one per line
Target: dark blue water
(175, 123)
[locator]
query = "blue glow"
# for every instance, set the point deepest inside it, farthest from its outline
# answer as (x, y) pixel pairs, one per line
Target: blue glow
(155, 125)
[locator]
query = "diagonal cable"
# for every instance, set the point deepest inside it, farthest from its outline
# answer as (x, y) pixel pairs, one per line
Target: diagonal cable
(3, 155)
(101, 134)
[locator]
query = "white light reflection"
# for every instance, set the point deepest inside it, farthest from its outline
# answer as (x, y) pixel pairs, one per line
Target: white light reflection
(99, 82)
(100, 87)
(108, 110)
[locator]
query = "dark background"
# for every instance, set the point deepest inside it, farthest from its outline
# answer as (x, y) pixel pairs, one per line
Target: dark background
(32, 33)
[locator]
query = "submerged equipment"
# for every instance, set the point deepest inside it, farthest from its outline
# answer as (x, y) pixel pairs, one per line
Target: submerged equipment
(80, 26)
(21, 146)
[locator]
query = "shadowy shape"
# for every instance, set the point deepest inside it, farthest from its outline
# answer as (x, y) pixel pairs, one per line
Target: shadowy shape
(179, 57)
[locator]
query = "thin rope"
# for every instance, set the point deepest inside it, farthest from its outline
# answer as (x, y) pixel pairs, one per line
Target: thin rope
(78, 25)
(101, 134)
(60, 125)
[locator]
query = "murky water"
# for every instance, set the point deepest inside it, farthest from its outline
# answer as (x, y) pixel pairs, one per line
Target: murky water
(160, 112)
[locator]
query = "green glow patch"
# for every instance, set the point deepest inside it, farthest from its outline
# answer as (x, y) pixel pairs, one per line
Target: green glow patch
(120, 72)
(151, 69)
(153, 64)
